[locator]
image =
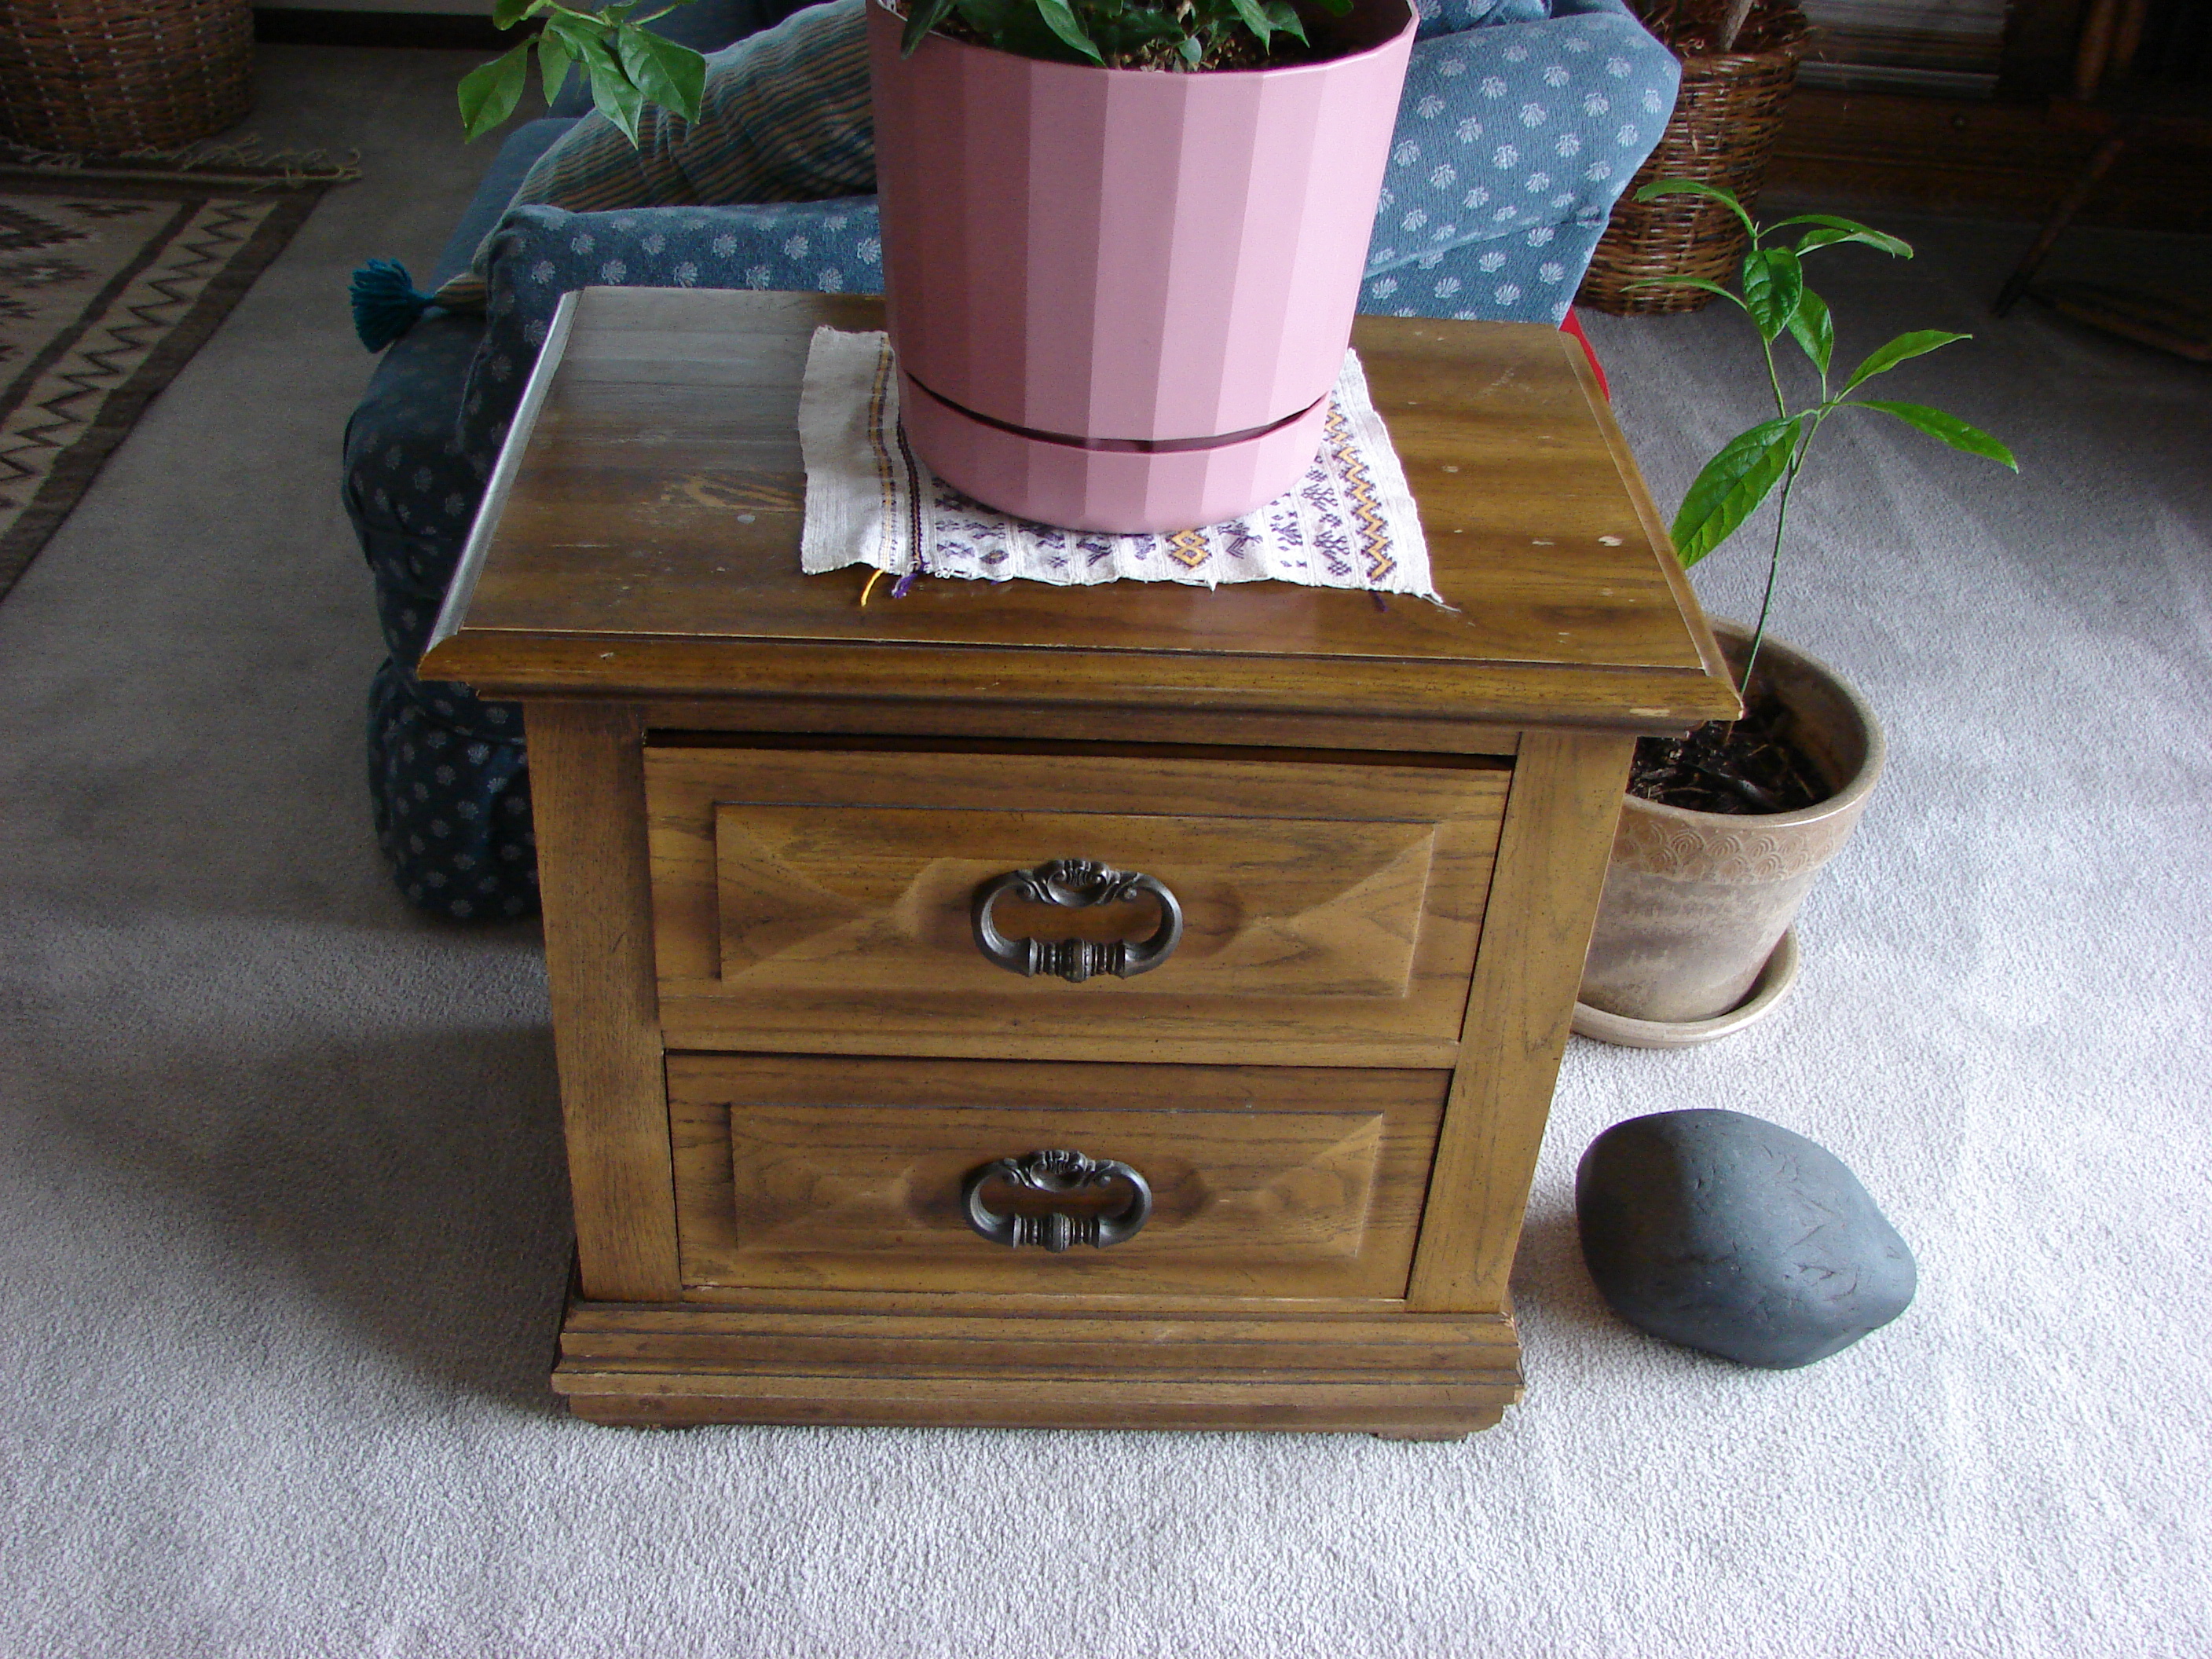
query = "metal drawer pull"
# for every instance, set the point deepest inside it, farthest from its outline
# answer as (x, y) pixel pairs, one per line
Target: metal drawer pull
(1057, 1172)
(1077, 883)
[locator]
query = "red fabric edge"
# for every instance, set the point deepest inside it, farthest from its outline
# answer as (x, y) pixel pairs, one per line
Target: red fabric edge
(1571, 326)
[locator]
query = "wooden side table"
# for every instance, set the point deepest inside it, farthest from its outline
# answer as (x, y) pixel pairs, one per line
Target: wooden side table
(837, 1155)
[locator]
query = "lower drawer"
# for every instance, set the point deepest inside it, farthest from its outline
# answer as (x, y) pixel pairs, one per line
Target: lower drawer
(848, 1174)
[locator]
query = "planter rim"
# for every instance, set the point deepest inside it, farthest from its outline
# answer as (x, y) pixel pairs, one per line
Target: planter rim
(1194, 77)
(1848, 799)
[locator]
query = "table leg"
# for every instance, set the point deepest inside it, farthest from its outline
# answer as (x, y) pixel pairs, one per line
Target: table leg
(587, 796)
(1552, 858)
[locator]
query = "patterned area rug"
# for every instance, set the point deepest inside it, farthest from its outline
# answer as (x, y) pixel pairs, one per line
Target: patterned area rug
(108, 284)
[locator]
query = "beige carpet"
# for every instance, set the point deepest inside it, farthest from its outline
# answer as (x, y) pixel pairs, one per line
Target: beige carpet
(281, 1208)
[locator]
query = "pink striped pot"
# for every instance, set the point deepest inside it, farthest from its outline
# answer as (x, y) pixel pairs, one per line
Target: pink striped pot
(1119, 297)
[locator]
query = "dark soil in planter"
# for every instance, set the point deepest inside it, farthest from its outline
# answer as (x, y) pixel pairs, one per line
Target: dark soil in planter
(1232, 52)
(1744, 767)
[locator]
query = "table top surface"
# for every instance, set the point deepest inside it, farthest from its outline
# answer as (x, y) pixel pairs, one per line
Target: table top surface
(641, 535)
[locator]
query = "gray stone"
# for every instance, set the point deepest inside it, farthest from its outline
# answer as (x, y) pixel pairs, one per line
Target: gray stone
(1731, 1235)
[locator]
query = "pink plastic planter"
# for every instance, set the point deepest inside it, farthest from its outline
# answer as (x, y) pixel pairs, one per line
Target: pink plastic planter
(1119, 296)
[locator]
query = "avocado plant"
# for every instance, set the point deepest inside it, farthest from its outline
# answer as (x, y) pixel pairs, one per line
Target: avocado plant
(1771, 289)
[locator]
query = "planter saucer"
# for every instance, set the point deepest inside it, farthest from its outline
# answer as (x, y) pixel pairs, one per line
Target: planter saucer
(1768, 992)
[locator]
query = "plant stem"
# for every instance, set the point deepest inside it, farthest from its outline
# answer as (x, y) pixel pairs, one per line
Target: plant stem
(1774, 378)
(1773, 569)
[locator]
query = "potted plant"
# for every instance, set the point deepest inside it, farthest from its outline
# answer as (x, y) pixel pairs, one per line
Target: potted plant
(1122, 242)
(1723, 831)
(1122, 246)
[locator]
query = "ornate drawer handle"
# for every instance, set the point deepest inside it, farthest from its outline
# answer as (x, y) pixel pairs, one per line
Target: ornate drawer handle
(1057, 1172)
(1077, 883)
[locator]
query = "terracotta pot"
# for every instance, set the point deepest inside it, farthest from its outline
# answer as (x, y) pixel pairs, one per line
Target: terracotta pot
(1119, 297)
(1696, 902)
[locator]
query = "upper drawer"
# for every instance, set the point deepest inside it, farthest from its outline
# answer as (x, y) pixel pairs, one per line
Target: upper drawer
(824, 900)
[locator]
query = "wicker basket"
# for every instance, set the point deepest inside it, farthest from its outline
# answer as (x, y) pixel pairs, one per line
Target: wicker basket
(1722, 133)
(96, 77)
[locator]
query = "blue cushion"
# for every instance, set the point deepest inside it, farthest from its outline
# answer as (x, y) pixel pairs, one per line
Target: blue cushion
(1528, 278)
(515, 159)
(448, 786)
(1513, 143)
(1450, 16)
(449, 794)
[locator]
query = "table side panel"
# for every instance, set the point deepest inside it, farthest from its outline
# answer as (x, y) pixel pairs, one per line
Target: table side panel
(588, 797)
(1559, 823)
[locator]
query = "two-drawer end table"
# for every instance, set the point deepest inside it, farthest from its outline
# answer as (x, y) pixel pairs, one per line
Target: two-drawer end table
(1133, 1005)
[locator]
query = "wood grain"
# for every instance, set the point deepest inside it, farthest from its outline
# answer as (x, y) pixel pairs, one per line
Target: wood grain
(1408, 1376)
(649, 545)
(587, 795)
(846, 1173)
(1390, 825)
(947, 722)
(1559, 822)
(816, 899)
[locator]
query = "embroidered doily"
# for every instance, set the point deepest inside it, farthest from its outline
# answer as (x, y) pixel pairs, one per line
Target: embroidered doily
(1350, 522)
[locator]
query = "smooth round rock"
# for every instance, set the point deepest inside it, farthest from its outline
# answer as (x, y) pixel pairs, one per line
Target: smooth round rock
(1726, 1233)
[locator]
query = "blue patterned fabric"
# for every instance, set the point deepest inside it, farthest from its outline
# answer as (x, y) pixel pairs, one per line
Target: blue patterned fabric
(1513, 140)
(540, 253)
(1513, 143)
(1450, 16)
(448, 785)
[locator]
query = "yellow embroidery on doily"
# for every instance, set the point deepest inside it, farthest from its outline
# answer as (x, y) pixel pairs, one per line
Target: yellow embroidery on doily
(1359, 487)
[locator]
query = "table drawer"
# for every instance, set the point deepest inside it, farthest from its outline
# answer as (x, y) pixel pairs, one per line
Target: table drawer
(822, 900)
(836, 1173)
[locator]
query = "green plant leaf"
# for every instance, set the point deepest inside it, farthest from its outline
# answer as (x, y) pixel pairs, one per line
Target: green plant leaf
(1949, 427)
(1812, 328)
(1834, 230)
(506, 14)
(1691, 282)
(1336, 7)
(1254, 19)
(1918, 343)
(553, 60)
(1061, 22)
(570, 32)
(1659, 187)
(673, 77)
(1732, 485)
(1020, 28)
(613, 94)
(1192, 49)
(920, 19)
(1773, 281)
(1287, 21)
(489, 91)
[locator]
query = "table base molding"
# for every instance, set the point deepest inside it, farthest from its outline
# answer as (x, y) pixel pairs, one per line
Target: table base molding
(1402, 1375)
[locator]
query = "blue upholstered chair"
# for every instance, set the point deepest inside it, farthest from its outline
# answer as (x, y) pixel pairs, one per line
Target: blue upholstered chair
(1522, 121)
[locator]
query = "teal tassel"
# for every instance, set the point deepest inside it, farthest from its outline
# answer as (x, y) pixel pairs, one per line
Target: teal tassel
(384, 302)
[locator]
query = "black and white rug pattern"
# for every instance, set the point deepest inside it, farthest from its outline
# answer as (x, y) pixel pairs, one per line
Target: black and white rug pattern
(108, 285)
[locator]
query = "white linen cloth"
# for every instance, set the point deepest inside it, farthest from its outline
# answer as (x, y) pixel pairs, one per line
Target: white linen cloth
(1350, 522)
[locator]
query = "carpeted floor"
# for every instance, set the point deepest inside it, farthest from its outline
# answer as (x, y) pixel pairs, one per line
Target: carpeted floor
(281, 1208)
